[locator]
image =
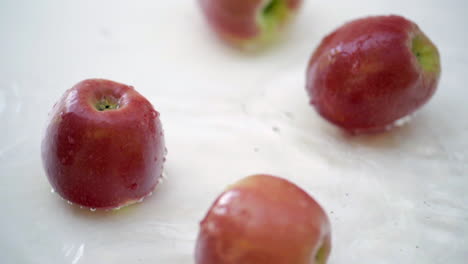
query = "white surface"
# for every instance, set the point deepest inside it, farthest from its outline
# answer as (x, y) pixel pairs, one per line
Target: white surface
(399, 197)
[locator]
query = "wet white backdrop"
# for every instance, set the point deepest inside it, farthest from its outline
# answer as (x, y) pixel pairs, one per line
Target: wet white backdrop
(398, 197)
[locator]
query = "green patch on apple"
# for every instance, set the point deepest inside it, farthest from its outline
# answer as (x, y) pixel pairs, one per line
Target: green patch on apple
(322, 255)
(271, 18)
(426, 53)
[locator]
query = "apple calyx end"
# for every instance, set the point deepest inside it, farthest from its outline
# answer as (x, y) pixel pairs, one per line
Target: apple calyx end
(107, 104)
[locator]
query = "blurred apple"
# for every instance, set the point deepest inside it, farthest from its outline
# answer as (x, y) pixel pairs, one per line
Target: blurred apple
(249, 24)
(372, 73)
(264, 219)
(104, 145)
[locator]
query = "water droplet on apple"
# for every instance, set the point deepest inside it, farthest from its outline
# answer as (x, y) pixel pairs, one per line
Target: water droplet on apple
(92, 209)
(141, 200)
(70, 203)
(52, 190)
(400, 122)
(161, 179)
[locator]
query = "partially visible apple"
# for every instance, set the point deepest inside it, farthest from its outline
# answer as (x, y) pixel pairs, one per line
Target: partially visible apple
(264, 219)
(249, 24)
(371, 73)
(104, 145)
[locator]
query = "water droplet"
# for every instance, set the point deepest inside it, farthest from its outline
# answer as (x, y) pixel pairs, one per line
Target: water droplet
(52, 190)
(141, 200)
(117, 208)
(161, 179)
(92, 209)
(70, 203)
(220, 210)
(402, 121)
(210, 226)
(399, 123)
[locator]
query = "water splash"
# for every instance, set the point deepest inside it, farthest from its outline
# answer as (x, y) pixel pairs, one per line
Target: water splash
(79, 254)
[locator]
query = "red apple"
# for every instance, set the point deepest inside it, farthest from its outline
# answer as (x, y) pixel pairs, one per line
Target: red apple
(104, 145)
(372, 72)
(249, 23)
(264, 219)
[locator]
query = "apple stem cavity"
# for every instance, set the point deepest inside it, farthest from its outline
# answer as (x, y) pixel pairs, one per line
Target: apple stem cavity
(426, 53)
(106, 104)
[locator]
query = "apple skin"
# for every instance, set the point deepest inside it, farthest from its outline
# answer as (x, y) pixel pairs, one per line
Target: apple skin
(263, 219)
(372, 72)
(246, 24)
(103, 159)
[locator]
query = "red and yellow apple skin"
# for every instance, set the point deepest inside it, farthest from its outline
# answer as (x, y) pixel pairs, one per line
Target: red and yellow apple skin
(249, 24)
(264, 219)
(371, 72)
(104, 145)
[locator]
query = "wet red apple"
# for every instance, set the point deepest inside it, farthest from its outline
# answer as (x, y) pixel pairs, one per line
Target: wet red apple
(104, 145)
(249, 24)
(372, 73)
(264, 219)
